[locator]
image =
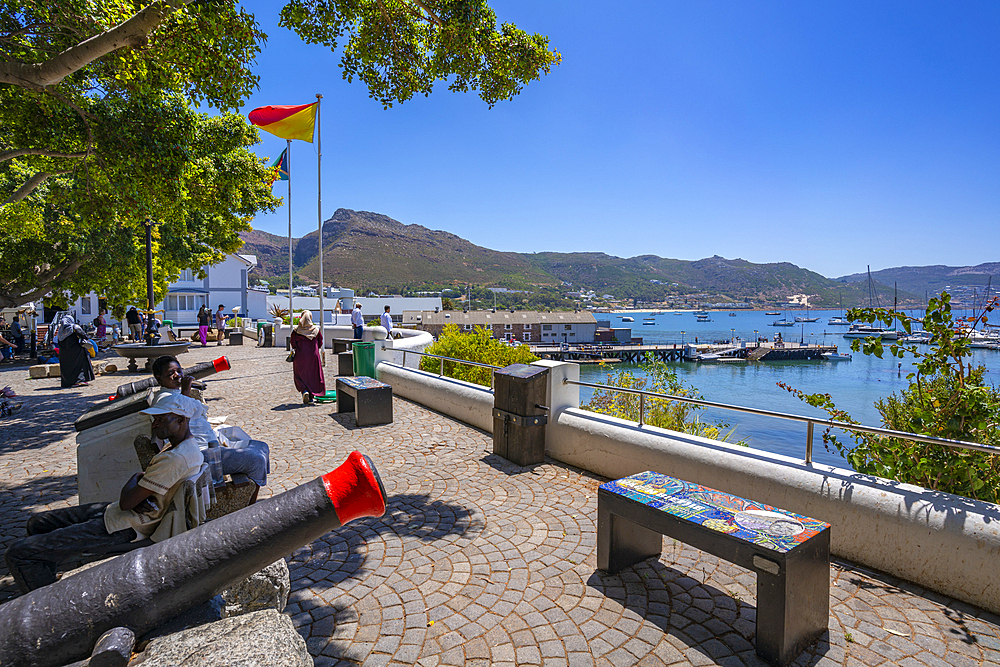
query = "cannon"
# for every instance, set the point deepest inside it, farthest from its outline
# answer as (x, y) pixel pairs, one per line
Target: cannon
(59, 623)
(198, 371)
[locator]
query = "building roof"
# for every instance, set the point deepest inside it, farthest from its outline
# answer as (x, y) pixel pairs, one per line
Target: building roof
(484, 317)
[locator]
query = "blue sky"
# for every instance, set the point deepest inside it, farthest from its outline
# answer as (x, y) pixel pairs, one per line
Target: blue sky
(832, 135)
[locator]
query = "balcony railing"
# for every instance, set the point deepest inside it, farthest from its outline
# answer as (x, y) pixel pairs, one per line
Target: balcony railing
(811, 422)
(493, 369)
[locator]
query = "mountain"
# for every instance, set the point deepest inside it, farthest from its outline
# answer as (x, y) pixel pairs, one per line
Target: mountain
(370, 251)
(932, 279)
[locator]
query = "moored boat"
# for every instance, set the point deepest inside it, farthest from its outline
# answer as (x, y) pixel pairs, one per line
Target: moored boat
(836, 356)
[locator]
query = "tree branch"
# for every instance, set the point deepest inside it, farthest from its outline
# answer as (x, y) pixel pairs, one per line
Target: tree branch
(133, 32)
(30, 185)
(14, 295)
(44, 152)
(431, 15)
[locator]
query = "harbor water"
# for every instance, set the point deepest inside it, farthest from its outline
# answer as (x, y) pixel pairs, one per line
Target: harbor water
(854, 385)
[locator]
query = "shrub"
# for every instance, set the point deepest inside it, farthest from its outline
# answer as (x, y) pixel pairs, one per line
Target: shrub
(479, 346)
(662, 413)
(946, 398)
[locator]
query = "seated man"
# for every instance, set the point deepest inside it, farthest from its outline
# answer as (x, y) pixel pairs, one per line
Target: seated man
(60, 535)
(254, 460)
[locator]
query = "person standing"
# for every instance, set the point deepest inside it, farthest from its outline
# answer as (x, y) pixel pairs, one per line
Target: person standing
(102, 324)
(74, 360)
(134, 324)
(220, 322)
(358, 322)
(203, 320)
(17, 334)
(307, 364)
(386, 320)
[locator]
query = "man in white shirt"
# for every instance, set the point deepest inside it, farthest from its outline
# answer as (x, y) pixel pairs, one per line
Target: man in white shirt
(387, 322)
(60, 535)
(358, 322)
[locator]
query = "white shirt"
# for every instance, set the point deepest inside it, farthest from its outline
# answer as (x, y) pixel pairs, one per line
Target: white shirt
(387, 322)
(356, 318)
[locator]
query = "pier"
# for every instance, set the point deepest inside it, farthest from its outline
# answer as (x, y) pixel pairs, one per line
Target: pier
(635, 353)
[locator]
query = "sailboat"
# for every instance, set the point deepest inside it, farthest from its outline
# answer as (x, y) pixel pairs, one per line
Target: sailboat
(868, 331)
(806, 318)
(839, 319)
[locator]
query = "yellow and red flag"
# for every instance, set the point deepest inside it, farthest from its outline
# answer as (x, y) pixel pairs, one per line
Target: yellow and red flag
(287, 122)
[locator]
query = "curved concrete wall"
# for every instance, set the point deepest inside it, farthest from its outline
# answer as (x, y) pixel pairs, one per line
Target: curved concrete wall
(943, 542)
(466, 402)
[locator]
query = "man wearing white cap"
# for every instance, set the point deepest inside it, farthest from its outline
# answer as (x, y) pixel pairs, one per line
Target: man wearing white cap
(64, 534)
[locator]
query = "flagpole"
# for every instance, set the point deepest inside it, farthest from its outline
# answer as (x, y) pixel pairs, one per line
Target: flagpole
(319, 210)
(288, 169)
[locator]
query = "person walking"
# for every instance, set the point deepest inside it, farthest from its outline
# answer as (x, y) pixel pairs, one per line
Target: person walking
(220, 322)
(134, 324)
(386, 320)
(358, 322)
(74, 360)
(203, 320)
(307, 364)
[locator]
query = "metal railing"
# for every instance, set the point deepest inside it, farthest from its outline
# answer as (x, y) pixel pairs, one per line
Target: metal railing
(493, 369)
(811, 422)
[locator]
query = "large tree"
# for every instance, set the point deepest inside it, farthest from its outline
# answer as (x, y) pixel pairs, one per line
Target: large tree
(97, 131)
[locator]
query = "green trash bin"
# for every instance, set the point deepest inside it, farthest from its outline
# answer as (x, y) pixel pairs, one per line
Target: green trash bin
(364, 359)
(168, 323)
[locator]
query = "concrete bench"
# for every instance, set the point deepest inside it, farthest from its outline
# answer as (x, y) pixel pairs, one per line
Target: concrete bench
(369, 399)
(790, 553)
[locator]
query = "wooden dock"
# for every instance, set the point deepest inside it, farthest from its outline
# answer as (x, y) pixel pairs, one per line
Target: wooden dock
(634, 354)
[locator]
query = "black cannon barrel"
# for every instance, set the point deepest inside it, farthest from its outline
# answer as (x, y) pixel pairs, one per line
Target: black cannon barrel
(57, 624)
(198, 371)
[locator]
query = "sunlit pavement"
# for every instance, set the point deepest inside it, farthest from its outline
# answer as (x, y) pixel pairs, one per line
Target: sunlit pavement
(477, 561)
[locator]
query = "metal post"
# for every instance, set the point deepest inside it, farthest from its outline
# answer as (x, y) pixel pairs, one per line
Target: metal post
(149, 265)
(441, 374)
(319, 209)
(642, 408)
(809, 443)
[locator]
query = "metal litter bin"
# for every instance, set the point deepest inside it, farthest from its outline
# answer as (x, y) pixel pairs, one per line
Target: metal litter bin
(518, 415)
(364, 359)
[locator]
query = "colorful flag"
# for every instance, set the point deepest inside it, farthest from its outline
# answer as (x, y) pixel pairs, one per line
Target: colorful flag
(281, 165)
(287, 122)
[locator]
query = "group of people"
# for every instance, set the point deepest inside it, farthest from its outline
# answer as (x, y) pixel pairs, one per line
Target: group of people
(11, 337)
(180, 423)
(205, 318)
(142, 327)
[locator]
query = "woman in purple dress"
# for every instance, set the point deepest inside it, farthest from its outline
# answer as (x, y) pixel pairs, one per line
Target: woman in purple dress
(307, 366)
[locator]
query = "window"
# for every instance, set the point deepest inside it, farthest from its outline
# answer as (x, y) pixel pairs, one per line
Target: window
(185, 302)
(508, 327)
(567, 327)
(546, 327)
(526, 336)
(468, 327)
(186, 276)
(85, 305)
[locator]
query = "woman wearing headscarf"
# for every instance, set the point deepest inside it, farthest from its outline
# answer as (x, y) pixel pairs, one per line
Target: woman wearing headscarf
(74, 360)
(203, 320)
(307, 365)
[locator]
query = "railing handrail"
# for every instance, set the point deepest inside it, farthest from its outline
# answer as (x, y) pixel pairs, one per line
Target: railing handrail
(492, 368)
(810, 421)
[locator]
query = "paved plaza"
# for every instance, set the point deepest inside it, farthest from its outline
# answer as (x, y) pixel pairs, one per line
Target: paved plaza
(477, 561)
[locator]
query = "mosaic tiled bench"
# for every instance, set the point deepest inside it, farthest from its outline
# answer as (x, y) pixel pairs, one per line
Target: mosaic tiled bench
(370, 400)
(790, 553)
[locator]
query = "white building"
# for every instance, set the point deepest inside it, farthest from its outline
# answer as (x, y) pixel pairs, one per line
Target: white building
(225, 283)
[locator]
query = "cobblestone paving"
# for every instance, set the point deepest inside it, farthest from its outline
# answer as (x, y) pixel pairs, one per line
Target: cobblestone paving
(479, 562)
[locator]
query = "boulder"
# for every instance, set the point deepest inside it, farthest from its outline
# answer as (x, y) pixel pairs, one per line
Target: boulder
(260, 638)
(267, 589)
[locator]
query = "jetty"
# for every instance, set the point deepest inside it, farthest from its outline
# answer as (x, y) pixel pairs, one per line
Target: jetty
(635, 353)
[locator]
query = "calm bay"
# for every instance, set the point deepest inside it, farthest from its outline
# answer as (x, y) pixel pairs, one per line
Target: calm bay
(855, 385)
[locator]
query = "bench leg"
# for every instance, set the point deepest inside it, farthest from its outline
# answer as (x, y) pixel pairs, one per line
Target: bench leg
(793, 606)
(622, 543)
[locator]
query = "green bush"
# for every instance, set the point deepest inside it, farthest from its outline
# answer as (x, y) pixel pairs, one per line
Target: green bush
(672, 415)
(479, 346)
(946, 398)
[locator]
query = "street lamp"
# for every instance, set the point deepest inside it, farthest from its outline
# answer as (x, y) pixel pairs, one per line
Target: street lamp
(682, 338)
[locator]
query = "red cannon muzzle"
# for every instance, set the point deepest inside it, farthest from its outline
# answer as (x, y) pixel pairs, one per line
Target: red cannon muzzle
(355, 489)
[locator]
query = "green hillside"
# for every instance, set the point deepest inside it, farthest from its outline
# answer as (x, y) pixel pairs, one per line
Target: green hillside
(372, 252)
